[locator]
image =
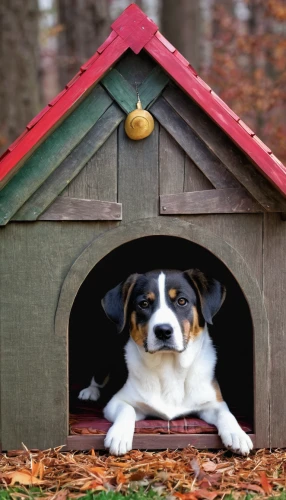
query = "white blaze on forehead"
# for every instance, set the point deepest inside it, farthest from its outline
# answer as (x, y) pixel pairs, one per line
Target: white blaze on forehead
(164, 315)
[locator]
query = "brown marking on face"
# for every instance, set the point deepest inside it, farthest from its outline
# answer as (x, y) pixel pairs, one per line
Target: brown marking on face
(151, 296)
(216, 387)
(191, 330)
(173, 293)
(196, 329)
(137, 332)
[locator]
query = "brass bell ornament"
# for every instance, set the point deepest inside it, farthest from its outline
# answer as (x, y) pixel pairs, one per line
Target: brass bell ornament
(139, 123)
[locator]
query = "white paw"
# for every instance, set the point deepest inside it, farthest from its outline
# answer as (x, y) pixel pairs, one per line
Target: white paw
(92, 392)
(119, 438)
(237, 441)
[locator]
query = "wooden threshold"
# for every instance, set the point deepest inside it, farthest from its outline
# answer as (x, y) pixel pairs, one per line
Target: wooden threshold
(151, 441)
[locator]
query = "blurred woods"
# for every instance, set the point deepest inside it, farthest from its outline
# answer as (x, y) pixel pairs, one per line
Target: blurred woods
(237, 46)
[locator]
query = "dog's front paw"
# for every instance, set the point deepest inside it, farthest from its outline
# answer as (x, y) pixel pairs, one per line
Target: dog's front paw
(92, 392)
(119, 438)
(237, 441)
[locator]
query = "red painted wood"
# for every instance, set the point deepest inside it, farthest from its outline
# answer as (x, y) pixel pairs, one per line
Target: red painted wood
(107, 42)
(86, 80)
(218, 111)
(37, 118)
(134, 27)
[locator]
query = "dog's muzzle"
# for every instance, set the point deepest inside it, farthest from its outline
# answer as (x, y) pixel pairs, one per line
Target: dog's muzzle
(163, 332)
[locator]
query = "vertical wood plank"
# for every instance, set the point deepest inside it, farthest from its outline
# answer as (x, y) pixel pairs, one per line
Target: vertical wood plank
(244, 232)
(98, 179)
(275, 293)
(138, 183)
(34, 260)
(195, 180)
(171, 164)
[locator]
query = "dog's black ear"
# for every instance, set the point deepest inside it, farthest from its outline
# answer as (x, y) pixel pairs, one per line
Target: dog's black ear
(210, 292)
(115, 302)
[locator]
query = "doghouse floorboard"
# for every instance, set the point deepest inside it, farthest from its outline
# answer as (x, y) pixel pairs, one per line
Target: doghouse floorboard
(151, 441)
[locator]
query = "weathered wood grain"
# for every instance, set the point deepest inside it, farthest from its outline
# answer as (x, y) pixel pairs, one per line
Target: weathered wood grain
(98, 178)
(195, 180)
(171, 164)
(213, 201)
(151, 441)
(206, 161)
(125, 95)
(138, 182)
(275, 293)
(135, 68)
(52, 152)
(120, 90)
(235, 161)
(244, 229)
(34, 260)
(71, 166)
(65, 208)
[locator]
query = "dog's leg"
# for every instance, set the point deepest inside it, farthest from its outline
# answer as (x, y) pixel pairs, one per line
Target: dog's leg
(232, 436)
(120, 436)
(92, 392)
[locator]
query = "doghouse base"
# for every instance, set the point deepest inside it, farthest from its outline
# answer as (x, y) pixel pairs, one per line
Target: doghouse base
(151, 441)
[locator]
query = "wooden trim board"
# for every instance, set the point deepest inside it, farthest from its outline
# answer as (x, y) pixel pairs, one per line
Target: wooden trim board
(212, 201)
(65, 208)
(151, 441)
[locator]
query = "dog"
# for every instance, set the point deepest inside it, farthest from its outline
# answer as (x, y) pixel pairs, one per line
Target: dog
(169, 354)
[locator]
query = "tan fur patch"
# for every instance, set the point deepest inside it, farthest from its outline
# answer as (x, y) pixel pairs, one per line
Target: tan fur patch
(191, 331)
(173, 293)
(216, 387)
(137, 332)
(197, 329)
(151, 296)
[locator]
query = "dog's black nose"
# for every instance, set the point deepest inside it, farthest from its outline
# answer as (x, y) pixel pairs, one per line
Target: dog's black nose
(163, 332)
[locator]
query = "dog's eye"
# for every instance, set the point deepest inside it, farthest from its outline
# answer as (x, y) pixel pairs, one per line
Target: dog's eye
(182, 301)
(144, 304)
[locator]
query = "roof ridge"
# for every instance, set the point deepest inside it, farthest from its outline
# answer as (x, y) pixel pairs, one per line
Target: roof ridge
(135, 30)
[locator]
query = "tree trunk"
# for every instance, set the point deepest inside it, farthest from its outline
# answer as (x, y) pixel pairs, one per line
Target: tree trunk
(85, 25)
(181, 25)
(19, 67)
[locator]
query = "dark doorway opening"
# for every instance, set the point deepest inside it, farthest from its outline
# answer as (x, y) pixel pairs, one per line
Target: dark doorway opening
(232, 331)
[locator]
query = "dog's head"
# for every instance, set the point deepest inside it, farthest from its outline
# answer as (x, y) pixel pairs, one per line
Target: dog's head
(164, 310)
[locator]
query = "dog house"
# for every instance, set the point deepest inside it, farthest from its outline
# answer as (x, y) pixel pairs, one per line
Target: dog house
(83, 206)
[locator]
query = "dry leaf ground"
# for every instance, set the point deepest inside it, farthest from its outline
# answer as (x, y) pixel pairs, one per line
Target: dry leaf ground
(186, 474)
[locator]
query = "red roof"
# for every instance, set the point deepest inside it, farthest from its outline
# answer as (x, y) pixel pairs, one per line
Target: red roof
(134, 30)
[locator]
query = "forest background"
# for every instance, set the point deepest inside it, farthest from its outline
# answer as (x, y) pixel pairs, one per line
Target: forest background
(237, 46)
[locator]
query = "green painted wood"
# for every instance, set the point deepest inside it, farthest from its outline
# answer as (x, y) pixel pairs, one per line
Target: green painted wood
(138, 183)
(152, 86)
(135, 67)
(52, 152)
(71, 166)
(121, 90)
(125, 95)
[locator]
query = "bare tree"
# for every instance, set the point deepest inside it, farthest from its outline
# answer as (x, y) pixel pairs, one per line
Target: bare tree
(181, 25)
(19, 67)
(85, 25)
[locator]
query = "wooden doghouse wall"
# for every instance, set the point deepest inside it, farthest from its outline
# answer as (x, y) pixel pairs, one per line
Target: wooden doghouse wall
(36, 257)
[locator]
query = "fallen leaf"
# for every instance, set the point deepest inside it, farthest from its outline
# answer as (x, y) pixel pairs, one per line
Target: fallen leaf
(23, 477)
(137, 476)
(209, 466)
(92, 485)
(265, 483)
(203, 493)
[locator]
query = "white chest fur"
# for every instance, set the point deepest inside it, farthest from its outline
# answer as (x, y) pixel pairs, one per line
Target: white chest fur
(167, 385)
